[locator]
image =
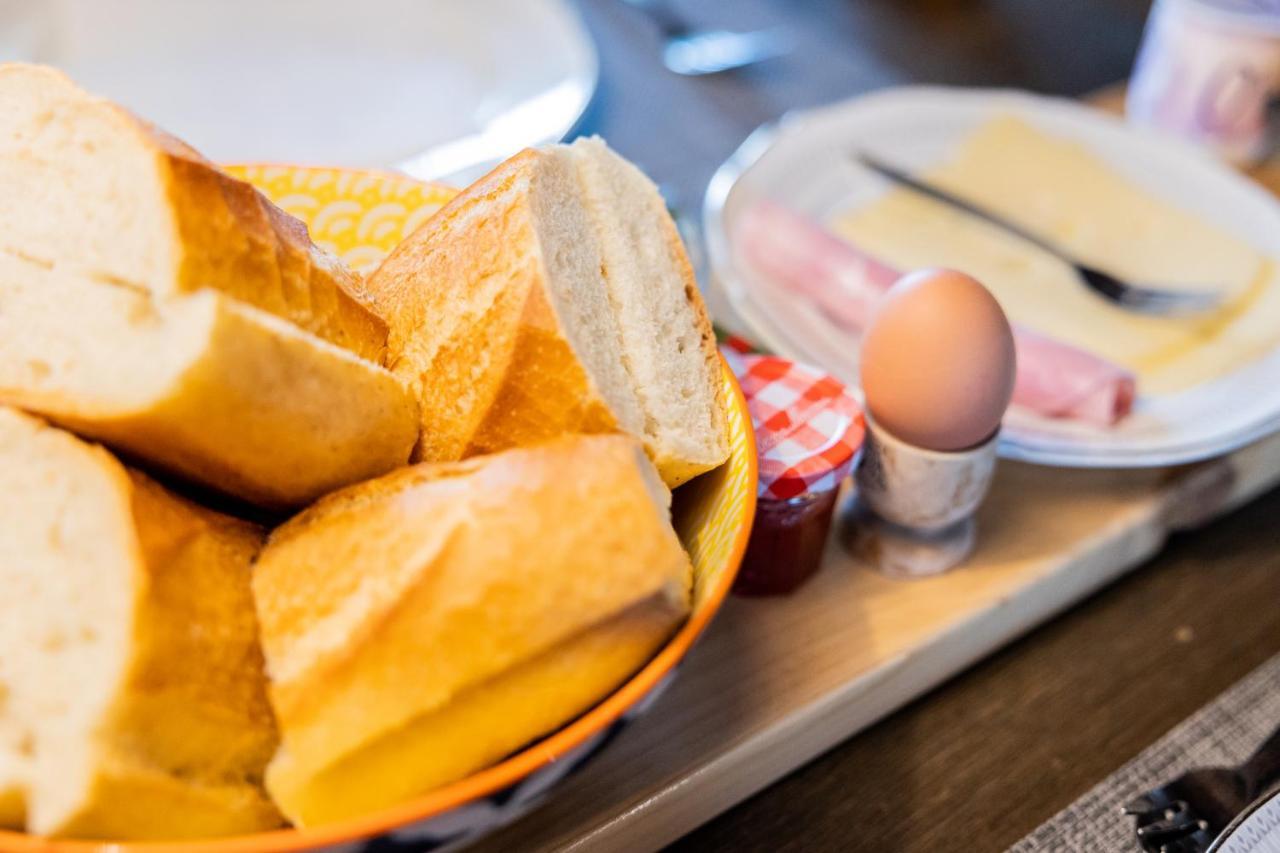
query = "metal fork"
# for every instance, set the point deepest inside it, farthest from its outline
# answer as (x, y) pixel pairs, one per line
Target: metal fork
(694, 51)
(1150, 300)
(1187, 814)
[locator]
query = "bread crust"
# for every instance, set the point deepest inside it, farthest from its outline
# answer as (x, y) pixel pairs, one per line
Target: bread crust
(267, 416)
(389, 602)
(243, 403)
(472, 331)
(236, 240)
(225, 235)
(472, 328)
(179, 745)
(541, 694)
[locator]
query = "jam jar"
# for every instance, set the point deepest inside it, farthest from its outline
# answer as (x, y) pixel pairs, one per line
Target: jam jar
(808, 430)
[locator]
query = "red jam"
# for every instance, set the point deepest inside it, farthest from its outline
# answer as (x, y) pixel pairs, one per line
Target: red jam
(808, 432)
(786, 544)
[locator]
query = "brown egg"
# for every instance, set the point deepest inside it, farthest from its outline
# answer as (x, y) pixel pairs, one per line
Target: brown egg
(938, 361)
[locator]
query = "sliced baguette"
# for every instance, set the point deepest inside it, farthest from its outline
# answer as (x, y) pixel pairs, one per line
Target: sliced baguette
(13, 772)
(554, 296)
(89, 186)
(135, 702)
(201, 385)
(421, 626)
(668, 345)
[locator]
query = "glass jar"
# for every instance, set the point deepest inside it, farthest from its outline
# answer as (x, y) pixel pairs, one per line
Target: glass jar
(786, 544)
(808, 430)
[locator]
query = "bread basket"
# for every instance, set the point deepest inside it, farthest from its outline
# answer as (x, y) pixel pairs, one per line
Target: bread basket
(360, 215)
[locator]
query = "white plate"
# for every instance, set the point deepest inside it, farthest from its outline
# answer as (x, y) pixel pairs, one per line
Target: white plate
(1256, 830)
(441, 88)
(802, 163)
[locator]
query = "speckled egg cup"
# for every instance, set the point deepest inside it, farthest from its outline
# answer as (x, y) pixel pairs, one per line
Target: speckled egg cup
(911, 514)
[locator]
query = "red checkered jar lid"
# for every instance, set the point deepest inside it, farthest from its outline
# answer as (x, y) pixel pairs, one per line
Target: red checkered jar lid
(808, 426)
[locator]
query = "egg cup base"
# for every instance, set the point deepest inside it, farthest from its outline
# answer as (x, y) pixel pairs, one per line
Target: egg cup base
(900, 552)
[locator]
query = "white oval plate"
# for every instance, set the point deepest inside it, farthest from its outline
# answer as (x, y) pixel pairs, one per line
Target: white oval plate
(802, 162)
(1255, 830)
(441, 88)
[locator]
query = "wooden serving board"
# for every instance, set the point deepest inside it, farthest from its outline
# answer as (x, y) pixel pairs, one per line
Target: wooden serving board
(776, 682)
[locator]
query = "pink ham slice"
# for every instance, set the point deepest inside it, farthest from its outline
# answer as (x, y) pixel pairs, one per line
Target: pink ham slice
(1053, 379)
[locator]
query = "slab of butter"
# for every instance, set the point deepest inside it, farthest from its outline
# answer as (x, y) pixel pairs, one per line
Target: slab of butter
(1058, 189)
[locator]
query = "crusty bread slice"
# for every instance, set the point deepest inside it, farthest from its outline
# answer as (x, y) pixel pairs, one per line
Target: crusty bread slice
(201, 385)
(402, 618)
(87, 185)
(668, 345)
(554, 296)
(13, 770)
(135, 702)
(480, 725)
(500, 320)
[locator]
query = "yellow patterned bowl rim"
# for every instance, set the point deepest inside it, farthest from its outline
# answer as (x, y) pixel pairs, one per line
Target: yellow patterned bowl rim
(360, 215)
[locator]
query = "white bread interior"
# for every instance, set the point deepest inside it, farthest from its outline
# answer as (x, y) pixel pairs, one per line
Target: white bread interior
(420, 626)
(89, 186)
(667, 341)
(575, 281)
(200, 385)
(554, 296)
(151, 301)
(134, 701)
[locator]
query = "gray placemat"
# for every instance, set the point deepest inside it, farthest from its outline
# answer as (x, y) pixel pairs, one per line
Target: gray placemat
(1224, 732)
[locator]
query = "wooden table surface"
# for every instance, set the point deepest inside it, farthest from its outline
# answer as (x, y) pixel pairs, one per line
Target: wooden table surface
(976, 764)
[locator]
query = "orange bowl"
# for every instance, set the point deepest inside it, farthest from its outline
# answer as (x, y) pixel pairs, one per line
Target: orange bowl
(360, 215)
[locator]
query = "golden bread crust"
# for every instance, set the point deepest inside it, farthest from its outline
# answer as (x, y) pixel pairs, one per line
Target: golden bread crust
(555, 686)
(215, 231)
(390, 601)
(253, 408)
(176, 743)
(473, 331)
(236, 240)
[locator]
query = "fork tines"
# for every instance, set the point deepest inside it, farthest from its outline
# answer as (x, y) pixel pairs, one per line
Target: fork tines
(1168, 826)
